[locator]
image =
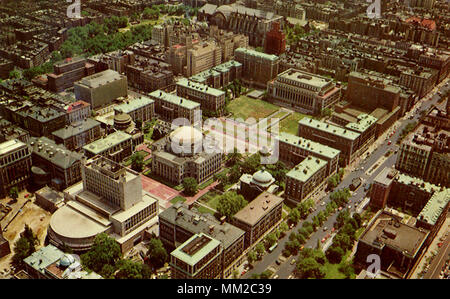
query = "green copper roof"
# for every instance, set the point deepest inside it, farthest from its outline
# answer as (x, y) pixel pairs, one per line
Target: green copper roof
(174, 99)
(308, 145)
(409, 180)
(262, 55)
(329, 128)
(134, 104)
(101, 145)
(364, 122)
(44, 257)
(434, 207)
(306, 169)
(200, 87)
(194, 258)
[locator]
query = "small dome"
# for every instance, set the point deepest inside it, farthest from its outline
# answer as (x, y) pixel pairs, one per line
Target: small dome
(186, 135)
(262, 177)
(121, 118)
(66, 260)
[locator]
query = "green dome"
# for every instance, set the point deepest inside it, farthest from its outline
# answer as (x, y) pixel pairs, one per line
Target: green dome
(262, 177)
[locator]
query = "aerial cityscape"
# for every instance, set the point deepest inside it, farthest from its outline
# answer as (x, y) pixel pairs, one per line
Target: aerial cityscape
(232, 140)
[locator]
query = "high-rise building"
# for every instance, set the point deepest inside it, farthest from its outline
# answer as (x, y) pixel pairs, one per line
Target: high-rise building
(257, 68)
(15, 166)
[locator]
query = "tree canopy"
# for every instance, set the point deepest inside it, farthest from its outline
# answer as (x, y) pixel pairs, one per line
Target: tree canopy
(230, 203)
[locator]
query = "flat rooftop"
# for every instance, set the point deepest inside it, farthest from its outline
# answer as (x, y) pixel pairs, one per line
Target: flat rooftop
(257, 54)
(101, 145)
(308, 145)
(195, 249)
(306, 78)
(258, 208)
(306, 169)
(99, 79)
(329, 128)
(174, 99)
(41, 259)
(364, 122)
(434, 207)
(10, 146)
(134, 104)
(200, 87)
(76, 128)
(388, 230)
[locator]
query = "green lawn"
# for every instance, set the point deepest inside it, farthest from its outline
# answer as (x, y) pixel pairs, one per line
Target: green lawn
(245, 107)
(206, 184)
(290, 123)
(210, 199)
(142, 153)
(332, 271)
(177, 198)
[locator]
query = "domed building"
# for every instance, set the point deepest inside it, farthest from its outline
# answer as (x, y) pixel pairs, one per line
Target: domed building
(253, 185)
(122, 121)
(185, 153)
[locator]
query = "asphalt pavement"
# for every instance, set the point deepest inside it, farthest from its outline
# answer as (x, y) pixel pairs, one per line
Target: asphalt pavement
(285, 269)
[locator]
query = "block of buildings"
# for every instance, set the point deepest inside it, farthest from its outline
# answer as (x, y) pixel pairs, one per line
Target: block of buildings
(345, 140)
(116, 146)
(49, 199)
(15, 166)
(259, 217)
(294, 149)
(302, 91)
(398, 245)
(78, 111)
(257, 68)
(68, 72)
(210, 99)
(304, 179)
(9, 131)
(424, 153)
(200, 257)
(148, 74)
(220, 75)
(78, 134)
(179, 223)
(228, 41)
(202, 56)
(170, 106)
(53, 164)
(111, 201)
(142, 108)
(101, 89)
(181, 155)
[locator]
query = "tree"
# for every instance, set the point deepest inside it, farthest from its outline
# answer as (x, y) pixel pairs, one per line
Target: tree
(190, 186)
(222, 179)
(128, 269)
(157, 253)
(104, 251)
(260, 249)
(22, 249)
(137, 162)
(294, 216)
(252, 256)
(310, 268)
(271, 239)
(334, 254)
(283, 228)
(235, 174)
(14, 74)
(251, 164)
(230, 203)
(14, 192)
(233, 158)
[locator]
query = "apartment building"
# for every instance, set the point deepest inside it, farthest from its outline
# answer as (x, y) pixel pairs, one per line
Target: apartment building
(210, 99)
(201, 57)
(198, 258)
(78, 111)
(142, 108)
(15, 166)
(220, 75)
(259, 217)
(170, 106)
(116, 146)
(257, 68)
(294, 149)
(179, 223)
(76, 135)
(345, 140)
(302, 91)
(67, 72)
(304, 179)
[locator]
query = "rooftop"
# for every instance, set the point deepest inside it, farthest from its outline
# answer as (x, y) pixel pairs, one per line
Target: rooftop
(200, 87)
(41, 259)
(101, 145)
(258, 208)
(306, 169)
(131, 105)
(329, 128)
(388, 230)
(100, 78)
(309, 145)
(254, 53)
(56, 154)
(174, 99)
(10, 146)
(364, 122)
(434, 207)
(76, 128)
(195, 248)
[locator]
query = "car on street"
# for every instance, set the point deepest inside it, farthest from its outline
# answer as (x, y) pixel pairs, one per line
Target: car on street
(292, 261)
(389, 142)
(440, 244)
(325, 228)
(276, 276)
(323, 240)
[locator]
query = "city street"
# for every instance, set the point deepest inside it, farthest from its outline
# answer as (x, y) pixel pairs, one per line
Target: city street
(367, 163)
